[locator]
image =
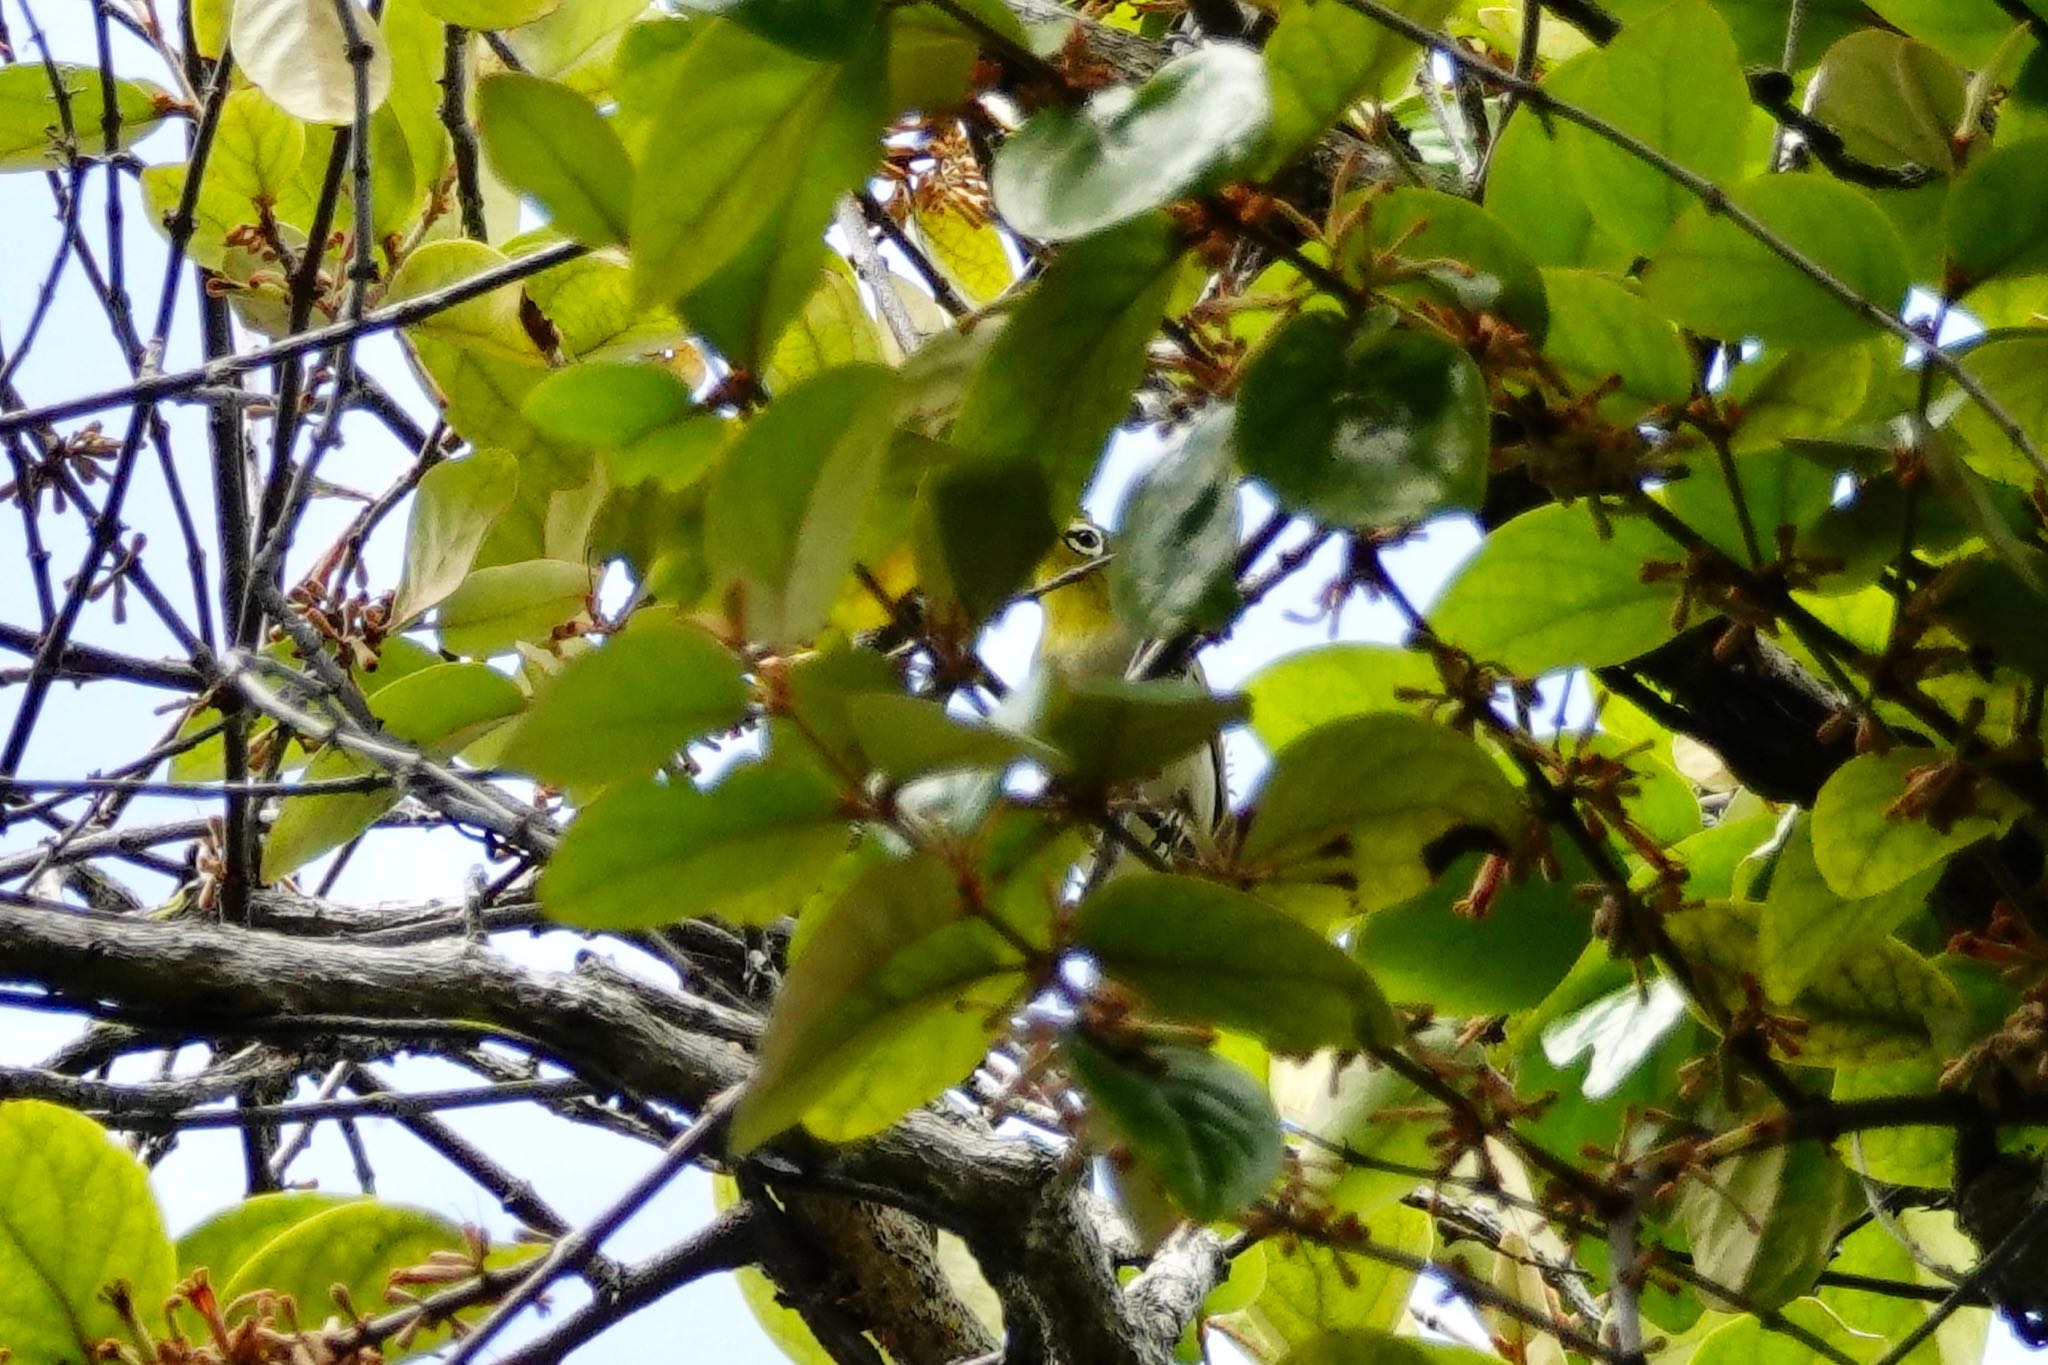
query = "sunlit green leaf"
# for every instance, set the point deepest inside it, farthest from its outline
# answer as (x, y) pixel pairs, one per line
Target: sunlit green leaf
(748, 849)
(1864, 846)
(1458, 253)
(498, 606)
(451, 512)
(80, 1215)
(1893, 101)
(1716, 279)
(438, 710)
(1808, 927)
(1602, 330)
(1993, 222)
(739, 102)
(32, 121)
(1295, 694)
(1672, 79)
(1548, 590)
(1766, 1223)
(621, 710)
(899, 943)
(1884, 1004)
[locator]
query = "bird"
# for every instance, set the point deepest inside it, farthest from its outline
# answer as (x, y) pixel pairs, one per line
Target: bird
(1084, 641)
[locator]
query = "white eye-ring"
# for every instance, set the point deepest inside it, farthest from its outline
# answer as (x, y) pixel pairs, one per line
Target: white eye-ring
(1084, 540)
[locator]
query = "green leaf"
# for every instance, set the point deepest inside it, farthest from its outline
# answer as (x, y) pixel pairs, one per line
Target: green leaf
(1322, 58)
(822, 29)
(32, 123)
(672, 457)
(1600, 330)
(832, 329)
(438, 710)
(490, 14)
(1059, 377)
(1311, 1289)
(1532, 187)
(1797, 395)
(1465, 257)
(1365, 431)
(356, 1245)
(1746, 1341)
(932, 55)
(256, 151)
(1885, 1004)
(1808, 927)
(1295, 694)
(1893, 101)
(2008, 366)
(786, 504)
(899, 944)
(748, 850)
(984, 528)
(1200, 951)
(1198, 1124)
(1992, 222)
(1313, 795)
(1765, 1224)
(590, 301)
(822, 687)
(1673, 80)
(549, 142)
(1875, 1250)
(1970, 35)
(907, 737)
(510, 603)
(1073, 170)
(578, 44)
(79, 1216)
(1994, 606)
(1381, 1348)
(224, 1243)
(1716, 279)
(452, 511)
(1175, 557)
(625, 708)
(1505, 957)
(739, 103)
(1547, 590)
(1346, 1105)
(1110, 732)
(482, 388)
(1862, 849)
(488, 324)
(610, 406)
(1906, 1155)
(297, 53)
(1781, 489)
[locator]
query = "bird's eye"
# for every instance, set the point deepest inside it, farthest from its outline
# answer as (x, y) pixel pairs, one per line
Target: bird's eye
(1084, 540)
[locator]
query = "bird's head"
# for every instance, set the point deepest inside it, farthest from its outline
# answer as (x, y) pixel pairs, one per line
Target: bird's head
(1080, 623)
